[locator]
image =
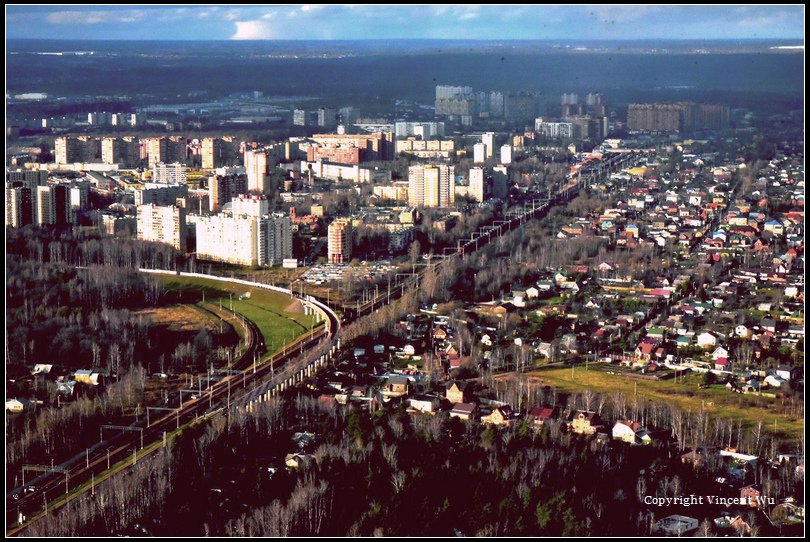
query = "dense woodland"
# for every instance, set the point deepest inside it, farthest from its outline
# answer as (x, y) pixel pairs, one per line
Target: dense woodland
(385, 473)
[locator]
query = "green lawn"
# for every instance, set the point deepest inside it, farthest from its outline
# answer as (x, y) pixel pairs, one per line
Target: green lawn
(687, 395)
(278, 316)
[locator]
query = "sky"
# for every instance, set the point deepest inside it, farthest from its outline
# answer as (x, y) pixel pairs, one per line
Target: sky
(445, 21)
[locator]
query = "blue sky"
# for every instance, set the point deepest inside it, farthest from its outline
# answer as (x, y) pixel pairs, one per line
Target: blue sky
(447, 21)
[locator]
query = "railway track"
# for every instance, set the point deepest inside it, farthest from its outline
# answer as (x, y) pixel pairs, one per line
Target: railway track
(124, 446)
(127, 446)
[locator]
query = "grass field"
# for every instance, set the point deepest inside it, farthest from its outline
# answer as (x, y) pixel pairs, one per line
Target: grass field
(717, 400)
(279, 317)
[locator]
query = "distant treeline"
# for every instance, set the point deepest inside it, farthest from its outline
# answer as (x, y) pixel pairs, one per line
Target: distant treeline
(224, 68)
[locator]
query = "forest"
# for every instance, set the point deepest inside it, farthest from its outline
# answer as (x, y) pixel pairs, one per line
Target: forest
(385, 472)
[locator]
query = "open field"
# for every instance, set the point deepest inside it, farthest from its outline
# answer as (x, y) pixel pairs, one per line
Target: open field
(182, 318)
(277, 316)
(717, 400)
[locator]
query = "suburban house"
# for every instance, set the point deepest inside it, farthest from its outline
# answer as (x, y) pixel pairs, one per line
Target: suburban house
(41, 368)
(742, 331)
(395, 386)
(296, 460)
(500, 416)
(538, 416)
(787, 372)
(646, 348)
(425, 403)
(585, 422)
(17, 405)
(465, 411)
(458, 392)
(676, 525)
(631, 432)
(706, 340)
(87, 376)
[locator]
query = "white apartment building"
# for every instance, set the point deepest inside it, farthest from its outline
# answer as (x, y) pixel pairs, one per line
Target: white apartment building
(488, 139)
(169, 173)
(425, 130)
(250, 205)
(244, 239)
(479, 153)
(164, 224)
(257, 167)
(506, 154)
(477, 188)
(554, 130)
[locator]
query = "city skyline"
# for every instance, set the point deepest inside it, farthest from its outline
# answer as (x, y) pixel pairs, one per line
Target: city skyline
(368, 22)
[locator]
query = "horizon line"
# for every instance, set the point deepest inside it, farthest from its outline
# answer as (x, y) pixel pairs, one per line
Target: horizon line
(482, 40)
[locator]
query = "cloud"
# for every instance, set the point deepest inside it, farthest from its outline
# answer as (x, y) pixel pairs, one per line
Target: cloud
(253, 30)
(95, 17)
(307, 8)
(763, 19)
(469, 15)
(622, 14)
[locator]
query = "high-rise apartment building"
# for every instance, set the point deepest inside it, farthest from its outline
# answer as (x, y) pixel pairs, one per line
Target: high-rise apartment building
(455, 101)
(431, 186)
(376, 146)
(519, 107)
(656, 117)
(488, 139)
(169, 173)
(506, 154)
(327, 118)
(425, 130)
(244, 239)
(500, 182)
(26, 177)
(218, 152)
(20, 206)
(257, 167)
(166, 150)
(120, 150)
(340, 240)
(477, 189)
(160, 194)
(250, 205)
(596, 105)
(569, 105)
(53, 205)
(223, 188)
(68, 150)
(163, 224)
(677, 117)
(496, 104)
(479, 153)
